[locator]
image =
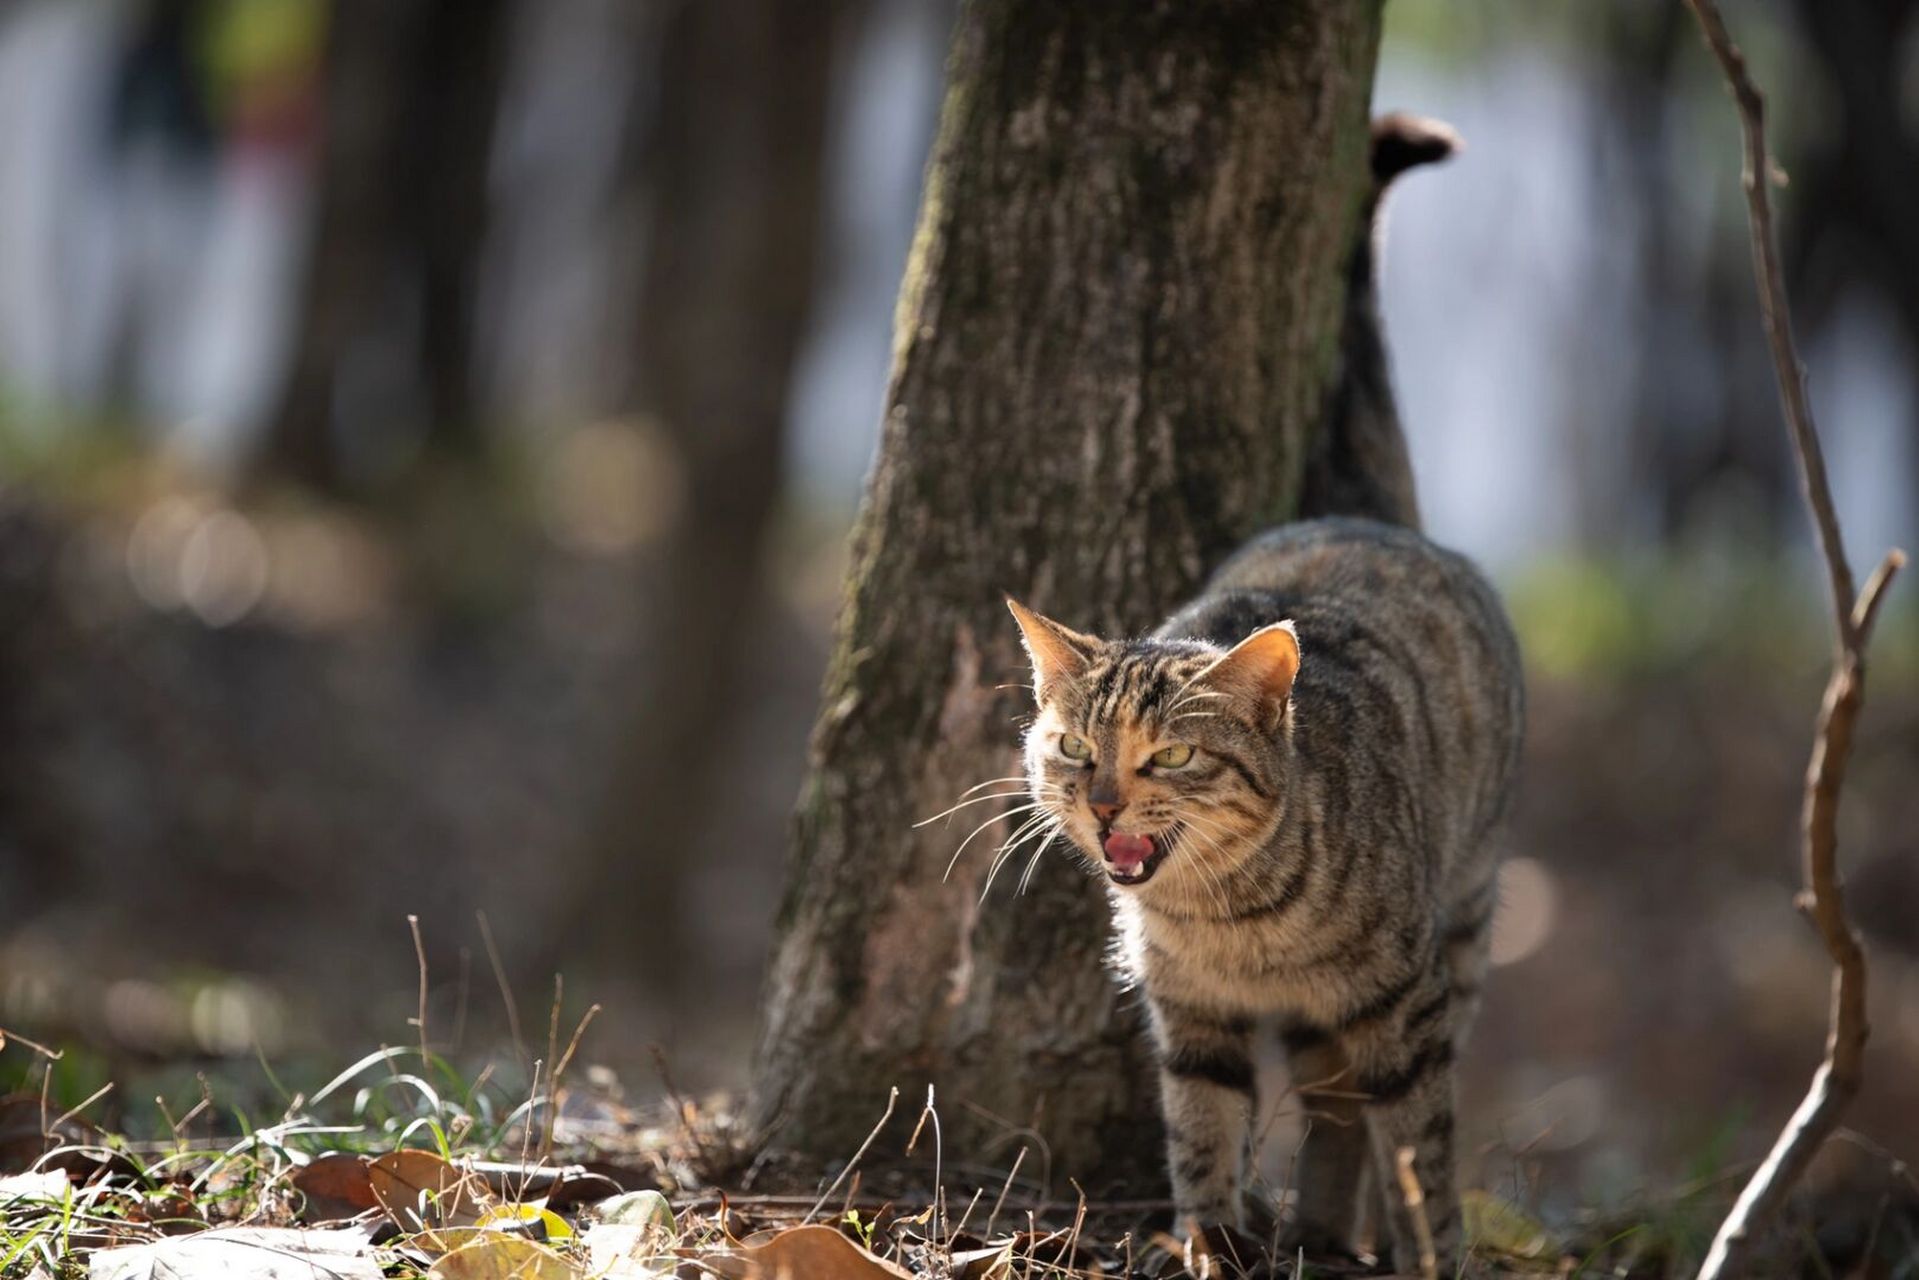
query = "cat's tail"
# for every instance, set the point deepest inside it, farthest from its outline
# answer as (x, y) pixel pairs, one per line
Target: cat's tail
(1358, 464)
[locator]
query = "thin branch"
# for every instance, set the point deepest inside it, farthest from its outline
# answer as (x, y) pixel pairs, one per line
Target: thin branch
(1415, 1197)
(1823, 899)
(1866, 612)
(419, 951)
(1776, 313)
(52, 1055)
(506, 989)
(892, 1100)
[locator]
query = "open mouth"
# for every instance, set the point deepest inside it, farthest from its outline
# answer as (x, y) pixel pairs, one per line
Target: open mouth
(1132, 859)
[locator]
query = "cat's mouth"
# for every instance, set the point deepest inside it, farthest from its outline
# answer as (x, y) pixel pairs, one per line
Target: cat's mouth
(1131, 858)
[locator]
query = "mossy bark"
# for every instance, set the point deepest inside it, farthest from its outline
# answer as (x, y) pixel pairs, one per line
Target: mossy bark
(1113, 342)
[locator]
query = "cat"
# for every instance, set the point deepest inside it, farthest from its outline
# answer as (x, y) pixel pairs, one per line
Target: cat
(1294, 788)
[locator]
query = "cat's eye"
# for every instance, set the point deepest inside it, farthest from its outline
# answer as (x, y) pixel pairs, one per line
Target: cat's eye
(1074, 747)
(1172, 757)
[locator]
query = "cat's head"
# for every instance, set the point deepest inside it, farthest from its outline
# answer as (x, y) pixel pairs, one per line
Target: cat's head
(1160, 758)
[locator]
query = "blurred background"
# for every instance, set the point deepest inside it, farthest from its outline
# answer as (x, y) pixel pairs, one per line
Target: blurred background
(428, 429)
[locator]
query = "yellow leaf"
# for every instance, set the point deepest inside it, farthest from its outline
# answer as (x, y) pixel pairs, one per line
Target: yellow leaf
(504, 1257)
(550, 1222)
(1495, 1225)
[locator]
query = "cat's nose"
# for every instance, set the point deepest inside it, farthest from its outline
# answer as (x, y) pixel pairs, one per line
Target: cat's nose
(1105, 808)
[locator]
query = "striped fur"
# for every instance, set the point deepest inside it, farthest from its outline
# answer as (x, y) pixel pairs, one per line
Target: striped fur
(1325, 861)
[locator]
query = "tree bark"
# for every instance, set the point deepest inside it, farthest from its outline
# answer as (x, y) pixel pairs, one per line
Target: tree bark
(1114, 339)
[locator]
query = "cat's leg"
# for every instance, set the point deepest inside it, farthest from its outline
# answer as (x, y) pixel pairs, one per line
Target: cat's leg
(1333, 1159)
(1403, 1063)
(1207, 1092)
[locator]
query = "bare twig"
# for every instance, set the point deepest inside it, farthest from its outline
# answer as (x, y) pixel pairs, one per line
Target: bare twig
(683, 1109)
(1415, 1197)
(558, 1074)
(419, 950)
(1012, 1173)
(53, 1055)
(573, 1045)
(1823, 899)
(506, 988)
(939, 1155)
(892, 1100)
(92, 1098)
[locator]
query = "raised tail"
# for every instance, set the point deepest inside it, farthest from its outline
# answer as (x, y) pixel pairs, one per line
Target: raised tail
(1358, 464)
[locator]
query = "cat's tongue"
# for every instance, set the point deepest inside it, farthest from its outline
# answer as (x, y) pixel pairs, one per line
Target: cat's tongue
(1128, 853)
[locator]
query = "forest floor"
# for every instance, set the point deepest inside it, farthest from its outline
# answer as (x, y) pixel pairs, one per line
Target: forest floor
(400, 1166)
(1657, 1008)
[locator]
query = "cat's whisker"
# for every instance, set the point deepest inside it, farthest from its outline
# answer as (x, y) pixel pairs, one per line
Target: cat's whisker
(997, 795)
(1182, 845)
(1215, 888)
(1026, 877)
(1190, 816)
(1051, 828)
(1027, 825)
(1203, 829)
(998, 817)
(1013, 841)
(981, 786)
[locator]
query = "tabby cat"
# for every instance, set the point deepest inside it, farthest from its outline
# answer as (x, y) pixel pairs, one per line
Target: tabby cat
(1294, 788)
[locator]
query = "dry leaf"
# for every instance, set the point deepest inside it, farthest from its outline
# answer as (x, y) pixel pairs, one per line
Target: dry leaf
(1503, 1228)
(421, 1191)
(503, 1257)
(51, 1184)
(806, 1253)
(638, 1209)
(243, 1253)
(621, 1251)
(994, 1262)
(336, 1185)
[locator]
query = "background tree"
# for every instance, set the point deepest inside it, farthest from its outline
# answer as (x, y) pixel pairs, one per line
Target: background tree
(729, 153)
(1115, 337)
(411, 95)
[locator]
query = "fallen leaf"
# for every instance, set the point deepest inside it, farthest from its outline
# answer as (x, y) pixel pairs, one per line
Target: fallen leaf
(422, 1191)
(51, 1184)
(542, 1221)
(621, 1251)
(336, 1185)
(638, 1209)
(504, 1257)
(994, 1262)
(806, 1253)
(1495, 1224)
(243, 1253)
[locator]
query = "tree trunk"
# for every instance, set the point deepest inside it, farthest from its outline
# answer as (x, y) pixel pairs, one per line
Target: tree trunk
(412, 90)
(1118, 321)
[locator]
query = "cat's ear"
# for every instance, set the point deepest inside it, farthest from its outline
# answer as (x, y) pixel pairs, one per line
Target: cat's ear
(1259, 668)
(1058, 653)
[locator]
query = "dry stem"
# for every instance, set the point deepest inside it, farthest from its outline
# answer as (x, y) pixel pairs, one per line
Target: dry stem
(1415, 1198)
(1838, 1077)
(419, 951)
